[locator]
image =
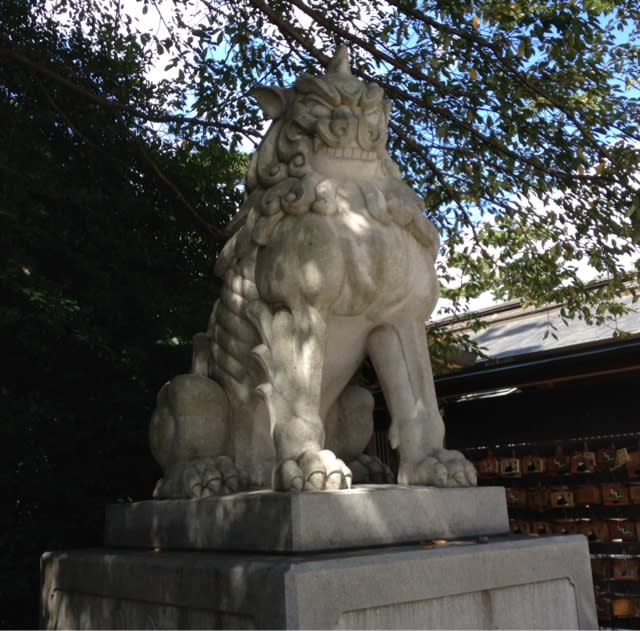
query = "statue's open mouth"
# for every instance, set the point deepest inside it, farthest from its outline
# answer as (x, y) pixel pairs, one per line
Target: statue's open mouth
(351, 153)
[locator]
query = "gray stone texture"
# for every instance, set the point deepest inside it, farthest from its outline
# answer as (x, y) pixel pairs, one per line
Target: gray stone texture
(507, 583)
(330, 259)
(270, 521)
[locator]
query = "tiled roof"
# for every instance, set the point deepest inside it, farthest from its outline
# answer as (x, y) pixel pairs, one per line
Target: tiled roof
(514, 331)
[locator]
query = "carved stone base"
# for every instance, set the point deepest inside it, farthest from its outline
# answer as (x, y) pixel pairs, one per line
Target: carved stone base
(367, 515)
(508, 583)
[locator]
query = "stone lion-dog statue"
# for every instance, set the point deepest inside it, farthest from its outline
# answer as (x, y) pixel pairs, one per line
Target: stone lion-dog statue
(330, 259)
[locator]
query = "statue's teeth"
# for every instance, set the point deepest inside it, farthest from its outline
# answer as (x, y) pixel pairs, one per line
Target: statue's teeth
(351, 153)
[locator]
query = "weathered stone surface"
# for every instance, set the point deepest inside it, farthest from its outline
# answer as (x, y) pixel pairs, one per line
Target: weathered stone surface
(297, 522)
(330, 259)
(510, 583)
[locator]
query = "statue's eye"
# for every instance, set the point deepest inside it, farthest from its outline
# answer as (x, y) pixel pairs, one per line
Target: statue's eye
(320, 111)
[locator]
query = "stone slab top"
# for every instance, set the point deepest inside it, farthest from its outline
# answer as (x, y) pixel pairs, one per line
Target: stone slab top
(268, 521)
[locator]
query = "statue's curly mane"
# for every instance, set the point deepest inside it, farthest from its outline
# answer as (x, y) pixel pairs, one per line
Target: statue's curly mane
(281, 179)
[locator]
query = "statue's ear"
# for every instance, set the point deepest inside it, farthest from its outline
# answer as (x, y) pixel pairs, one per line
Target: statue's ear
(273, 101)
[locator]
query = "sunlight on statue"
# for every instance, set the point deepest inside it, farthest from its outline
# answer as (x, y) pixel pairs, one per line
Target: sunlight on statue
(329, 259)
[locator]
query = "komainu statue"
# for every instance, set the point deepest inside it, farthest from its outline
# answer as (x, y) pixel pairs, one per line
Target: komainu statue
(329, 259)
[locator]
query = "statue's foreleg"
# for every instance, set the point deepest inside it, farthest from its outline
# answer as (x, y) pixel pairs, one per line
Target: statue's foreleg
(300, 273)
(293, 361)
(400, 356)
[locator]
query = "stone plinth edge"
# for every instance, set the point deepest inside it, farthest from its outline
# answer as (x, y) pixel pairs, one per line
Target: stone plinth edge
(265, 521)
(509, 582)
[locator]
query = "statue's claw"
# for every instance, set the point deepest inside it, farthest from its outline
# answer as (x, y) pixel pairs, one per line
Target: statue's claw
(370, 470)
(312, 471)
(199, 478)
(439, 467)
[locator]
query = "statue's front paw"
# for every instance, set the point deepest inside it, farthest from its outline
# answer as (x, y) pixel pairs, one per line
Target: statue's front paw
(439, 467)
(199, 478)
(312, 471)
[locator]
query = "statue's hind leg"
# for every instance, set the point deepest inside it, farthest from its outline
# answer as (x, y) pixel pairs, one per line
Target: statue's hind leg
(300, 273)
(349, 428)
(189, 433)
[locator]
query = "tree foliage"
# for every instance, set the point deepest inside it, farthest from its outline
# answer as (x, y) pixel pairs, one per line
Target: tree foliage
(108, 233)
(119, 165)
(518, 122)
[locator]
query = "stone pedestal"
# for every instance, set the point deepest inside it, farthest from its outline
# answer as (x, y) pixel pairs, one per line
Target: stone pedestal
(499, 582)
(367, 515)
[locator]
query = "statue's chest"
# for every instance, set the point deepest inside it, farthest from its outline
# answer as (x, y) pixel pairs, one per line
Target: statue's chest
(384, 265)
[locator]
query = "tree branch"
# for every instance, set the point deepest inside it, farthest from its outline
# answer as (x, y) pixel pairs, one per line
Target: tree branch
(507, 65)
(453, 195)
(393, 90)
(293, 32)
(66, 118)
(215, 232)
(112, 104)
(376, 52)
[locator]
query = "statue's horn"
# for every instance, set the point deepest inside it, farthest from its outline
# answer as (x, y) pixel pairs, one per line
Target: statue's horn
(340, 62)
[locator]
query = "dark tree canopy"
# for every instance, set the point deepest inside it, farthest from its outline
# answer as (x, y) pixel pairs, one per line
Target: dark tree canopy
(104, 270)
